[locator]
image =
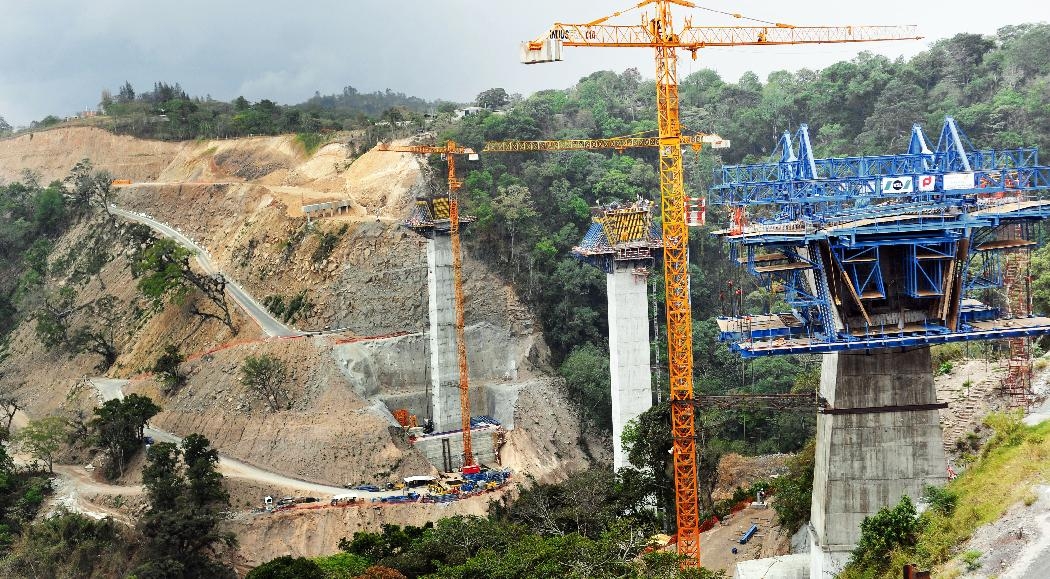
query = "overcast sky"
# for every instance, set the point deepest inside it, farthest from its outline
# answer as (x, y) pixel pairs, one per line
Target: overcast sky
(57, 55)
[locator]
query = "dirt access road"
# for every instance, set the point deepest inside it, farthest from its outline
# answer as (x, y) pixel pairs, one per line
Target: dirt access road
(269, 324)
(112, 389)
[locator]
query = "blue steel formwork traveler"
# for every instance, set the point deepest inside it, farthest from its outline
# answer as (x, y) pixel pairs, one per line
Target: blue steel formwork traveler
(884, 251)
(878, 258)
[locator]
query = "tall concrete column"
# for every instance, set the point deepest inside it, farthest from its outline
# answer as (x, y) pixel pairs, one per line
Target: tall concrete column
(444, 371)
(628, 351)
(882, 440)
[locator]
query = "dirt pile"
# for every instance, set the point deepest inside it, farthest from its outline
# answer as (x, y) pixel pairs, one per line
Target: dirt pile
(549, 439)
(737, 471)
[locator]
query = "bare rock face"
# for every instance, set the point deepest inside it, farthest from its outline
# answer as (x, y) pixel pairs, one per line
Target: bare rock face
(329, 435)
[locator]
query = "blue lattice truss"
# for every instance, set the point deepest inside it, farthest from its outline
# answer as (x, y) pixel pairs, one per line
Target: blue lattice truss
(883, 251)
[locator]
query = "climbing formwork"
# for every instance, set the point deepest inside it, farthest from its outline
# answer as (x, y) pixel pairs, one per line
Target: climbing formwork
(622, 241)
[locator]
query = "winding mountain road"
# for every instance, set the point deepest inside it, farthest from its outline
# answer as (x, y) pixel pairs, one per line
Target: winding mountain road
(113, 389)
(269, 324)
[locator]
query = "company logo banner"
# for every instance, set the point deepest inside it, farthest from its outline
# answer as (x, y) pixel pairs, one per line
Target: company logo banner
(898, 184)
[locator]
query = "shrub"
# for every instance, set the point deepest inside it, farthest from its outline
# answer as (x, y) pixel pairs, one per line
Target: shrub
(795, 489)
(167, 369)
(265, 376)
(310, 141)
(342, 565)
(287, 567)
(1008, 427)
(940, 499)
(882, 532)
(971, 559)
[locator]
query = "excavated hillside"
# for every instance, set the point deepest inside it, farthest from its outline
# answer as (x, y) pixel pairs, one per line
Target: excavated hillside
(359, 273)
(52, 153)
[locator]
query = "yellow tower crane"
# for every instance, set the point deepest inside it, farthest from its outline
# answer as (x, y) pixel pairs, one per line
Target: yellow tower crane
(656, 31)
(449, 151)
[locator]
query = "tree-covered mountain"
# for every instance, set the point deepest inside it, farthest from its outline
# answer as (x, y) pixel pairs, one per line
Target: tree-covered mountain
(532, 208)
(168, 112)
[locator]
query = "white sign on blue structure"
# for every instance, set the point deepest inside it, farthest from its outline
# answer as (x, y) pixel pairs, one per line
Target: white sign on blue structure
(898, 184)
(954, 181)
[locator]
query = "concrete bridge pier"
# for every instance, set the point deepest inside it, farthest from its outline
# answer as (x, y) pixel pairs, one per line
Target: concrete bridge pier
(444, 368)
(630, 372)
(879, 439)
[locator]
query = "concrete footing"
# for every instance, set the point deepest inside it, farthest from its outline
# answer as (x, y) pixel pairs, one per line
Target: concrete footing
(445, 451)
(880, 440)
(628, 351)
(782, 567)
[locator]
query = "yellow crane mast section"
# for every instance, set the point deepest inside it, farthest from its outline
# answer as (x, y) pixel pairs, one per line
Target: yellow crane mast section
(450, 150)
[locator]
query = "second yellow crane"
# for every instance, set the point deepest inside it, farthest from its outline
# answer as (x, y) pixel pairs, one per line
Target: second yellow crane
(450, 150)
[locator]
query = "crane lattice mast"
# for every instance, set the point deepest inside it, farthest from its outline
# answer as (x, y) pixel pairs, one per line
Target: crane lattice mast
(449, 151)
(658, 33)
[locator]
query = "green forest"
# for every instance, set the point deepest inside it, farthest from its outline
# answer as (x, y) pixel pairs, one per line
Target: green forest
(533, 208)
(168, 112)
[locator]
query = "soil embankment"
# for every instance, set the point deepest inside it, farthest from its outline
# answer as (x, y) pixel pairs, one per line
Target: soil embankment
(357, 270)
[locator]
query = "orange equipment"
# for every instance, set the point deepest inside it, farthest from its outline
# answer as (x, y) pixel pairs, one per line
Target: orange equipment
(449, 152)
(404, 418)
(659, 34)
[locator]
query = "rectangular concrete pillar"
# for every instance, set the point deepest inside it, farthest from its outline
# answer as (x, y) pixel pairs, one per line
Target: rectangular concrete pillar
(445, 451)
(868, 459)
(628, 351)
(444, 369)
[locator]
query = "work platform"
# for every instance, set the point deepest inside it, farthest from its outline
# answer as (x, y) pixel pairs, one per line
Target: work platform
(887, 251)
(875, 259)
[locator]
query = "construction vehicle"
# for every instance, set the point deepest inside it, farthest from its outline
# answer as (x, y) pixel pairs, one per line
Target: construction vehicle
(657, 32)
(449, 152)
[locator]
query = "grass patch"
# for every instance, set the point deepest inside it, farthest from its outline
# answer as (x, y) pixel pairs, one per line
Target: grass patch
(1013, 461)
(326, 244)
(310, 142)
